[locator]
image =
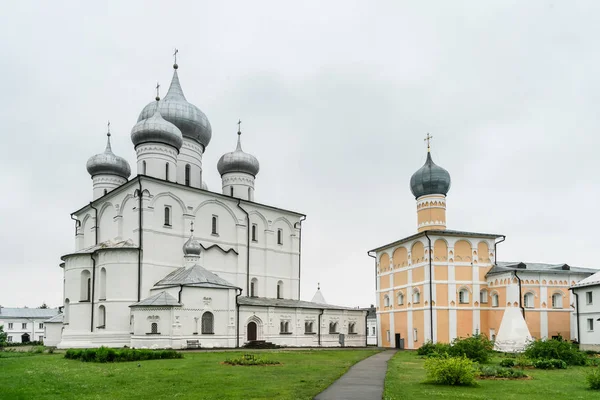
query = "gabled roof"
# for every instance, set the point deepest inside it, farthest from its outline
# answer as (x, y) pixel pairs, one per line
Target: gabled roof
(439, 232)
(289, 303)
(592, 280)
(194, 276)
(44, 313)
(537, 267)
(162, 299)
(109, 244)
(56, 319)
(318, 297)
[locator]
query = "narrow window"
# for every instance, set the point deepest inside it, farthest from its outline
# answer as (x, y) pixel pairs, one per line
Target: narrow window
(208, 323)
(9, 339)
(557, 300)
(214, 225)
(154, 328)
(10, 325)
(588, 298)
(333, 327)
(41, 326)
(279, 236)
(388, 335)
(386, 301)
(143, 167)
(463, 296)
(66, 312)
(231, 191)
(167, 171)
(254, 287)
(415, 335)
(24, 325)
(167, 216)
(495, 300)
(373, 331)
(254, 227)
(590, 324)
(483, 297)
(287, 327)
(102, 284)
(187, 175)
(101, 317)
(529, 300)
(250, 194)
(280, 290)
(351, 327)
(308, 327)
(416, 297)
(400, 299)
(40, 339)
(86, 286)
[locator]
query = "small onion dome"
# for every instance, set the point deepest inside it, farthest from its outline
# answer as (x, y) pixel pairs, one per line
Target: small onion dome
(192, 122)
(108, 163)
(430, 179)
(156, 129)
(238, 161)
(192, 247)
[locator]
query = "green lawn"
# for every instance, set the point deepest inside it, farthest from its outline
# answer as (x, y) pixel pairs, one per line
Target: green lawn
(405, 380)
(302, 375)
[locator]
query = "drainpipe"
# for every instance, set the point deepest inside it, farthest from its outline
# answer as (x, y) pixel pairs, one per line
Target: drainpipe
(299, 249)
(247, 246)
(179, 295)
(77, 224)
(237, 320)
(93, 267)
(520, 295)
(140, 239)
(366, 330)
(576, 310)
(430, 288)
(495, 251)
(319, 327)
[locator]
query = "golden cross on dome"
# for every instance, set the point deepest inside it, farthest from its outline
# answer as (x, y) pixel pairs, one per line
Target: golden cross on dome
(239, 126)
(428, 140)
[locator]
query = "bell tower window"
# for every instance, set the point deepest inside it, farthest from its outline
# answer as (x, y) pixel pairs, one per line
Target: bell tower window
(187, 174)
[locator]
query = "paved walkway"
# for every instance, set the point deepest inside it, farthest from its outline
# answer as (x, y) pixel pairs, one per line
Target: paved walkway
(363, 381)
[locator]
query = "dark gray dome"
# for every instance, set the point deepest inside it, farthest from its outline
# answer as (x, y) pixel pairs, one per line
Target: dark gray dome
(430, 179)
(192, 247)
(108, 163)
(156, 129)
(238, 161)
(192, 122)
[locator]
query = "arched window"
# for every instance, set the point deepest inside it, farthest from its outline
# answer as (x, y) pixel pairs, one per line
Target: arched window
(208, 323)
(167, 216)
(483, 296)
(254, 287)
(279, 236)
(101, 317)
(400, 298)
(254, 228)
(86, 286)
(143, 167)
(66, 312)
(495, 300)
(284, 327)
(167, 171)
(231, 191)
(187, 175)
(102, 295)
(280, 290)
(154, 328)
(557, 300)
(214, 225)
(250, 194)
(386, 301)
(463, 296)
(333, 327)
(308, 327)
(416, 296)
(351, 327)
(529, 300)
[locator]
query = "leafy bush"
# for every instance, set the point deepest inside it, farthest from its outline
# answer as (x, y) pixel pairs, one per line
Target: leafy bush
(555, 349)
(451, 370)
(593, 362)
(549, 364)
(104, 354)
(37, 349)
(250, 359)
(523, 362)
(507, 362)
(492, 371)
(477, 348)
(593, 379)
(430, 349)
(3, 336)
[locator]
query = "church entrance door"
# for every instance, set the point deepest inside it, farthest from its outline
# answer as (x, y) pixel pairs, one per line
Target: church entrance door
(251, 331)
(25, 338)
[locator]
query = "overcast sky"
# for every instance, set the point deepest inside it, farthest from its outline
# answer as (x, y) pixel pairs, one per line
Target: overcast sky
(335, 99)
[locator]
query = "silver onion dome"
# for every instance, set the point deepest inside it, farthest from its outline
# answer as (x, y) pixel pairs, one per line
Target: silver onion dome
(156, 129)
(238, 161)
(192, 247)
(108, 163)
(430, 179)
(192, 122)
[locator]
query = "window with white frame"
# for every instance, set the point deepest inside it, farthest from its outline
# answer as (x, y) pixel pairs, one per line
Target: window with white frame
(254, 287)
(154, 328)
(24, 325)
(10, 326)
(590, 324)
(333, 327)
(284, 327)
(41, 325)
(400, 298)
(588, 298)
(214, 225)
(529, 300)
(187, 174)
(254, 229)
(167, 215)
(9, 339)
(167, 171)
(483, 296)
(279, 236)
(208, 323)
(41, 338)
(386, 301)
(280, 290)
(387, 335)
(86, 285)
(101, 317)
(308, 327)
(557, 300)
(416, 297)
(463, 296)
(495, 300)
(415, 334)
(373, 331)
(351, 327)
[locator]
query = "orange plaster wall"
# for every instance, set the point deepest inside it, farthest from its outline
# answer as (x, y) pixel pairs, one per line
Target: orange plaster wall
(418, 274)
(431, 214)
(418, 323)
(400, 257)
(493, 319)
(533, 323)
(559, 322)
(462, 251)
(440, 273)
(384, 282)
(385, 326)
(483, 252)
(443, 326)
(384, 262)
(441, 295)
(463, 273)
(536, 299)
(400, 278)
(464, 323)
(400, 325)
(482, 272)
(440, 250)
(417, 253)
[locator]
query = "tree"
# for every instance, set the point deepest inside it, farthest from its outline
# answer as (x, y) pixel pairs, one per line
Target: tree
(2, 336)
(44, 305)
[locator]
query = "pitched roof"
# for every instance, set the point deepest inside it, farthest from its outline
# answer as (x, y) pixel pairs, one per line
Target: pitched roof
(439, 232)
(318, 297)
(56, 319)
(109, 244)
(288, 303)
(538, 267)
(45, 313)
(162, 299)
(592, 280)
(194, 276)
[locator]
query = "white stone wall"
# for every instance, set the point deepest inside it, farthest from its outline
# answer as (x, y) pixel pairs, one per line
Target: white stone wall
(589, 339)
(33, 328)
(372, 331)
(52, 333)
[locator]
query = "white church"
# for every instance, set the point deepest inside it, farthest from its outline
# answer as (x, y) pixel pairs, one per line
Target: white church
(160, 261)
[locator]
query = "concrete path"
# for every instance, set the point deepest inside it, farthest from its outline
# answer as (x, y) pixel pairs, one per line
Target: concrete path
(363, 381)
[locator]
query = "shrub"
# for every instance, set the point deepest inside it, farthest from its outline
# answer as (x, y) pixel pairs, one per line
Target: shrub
(555, 349)
(549, 364)
(430, 349)
(37, 349)
(3, 336)
(250, 359)
(492, 371)
(593, 379)
(523, 362)
(507, 362)
(593, 362)
(477, 348)
(451, 370)
(105, 354)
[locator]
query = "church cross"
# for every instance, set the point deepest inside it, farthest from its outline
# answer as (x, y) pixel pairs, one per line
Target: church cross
(428, 140)
(192, 226)
(175, 55)
(239, 126)
(108, 133)
(157, 89)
